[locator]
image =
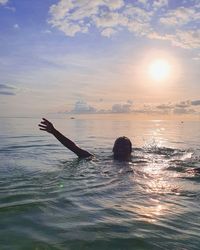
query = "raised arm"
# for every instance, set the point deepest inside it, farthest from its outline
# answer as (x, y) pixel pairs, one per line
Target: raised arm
(48, 127)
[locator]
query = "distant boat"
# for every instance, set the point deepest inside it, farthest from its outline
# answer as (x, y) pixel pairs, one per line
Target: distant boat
(72, 117)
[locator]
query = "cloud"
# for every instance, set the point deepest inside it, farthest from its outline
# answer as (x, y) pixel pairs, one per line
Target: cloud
(164, 106)
(143, 2)
(184, 39)
(121, 108)
(164, 109)
(3, 2)
(182, 107)
(73, 17)
(108, 32)
(5, 86)
(180, 16)
(183, 111)
(195, 103)
(159, 3)
(6, 89)
(10, 8)
(16, 26)
(47, 31)
(142, 18)
(6, 93)
(107, 16)
(82, 107)
(183, 104)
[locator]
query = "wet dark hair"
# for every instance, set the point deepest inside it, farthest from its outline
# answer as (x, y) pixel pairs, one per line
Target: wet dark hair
(120, 141)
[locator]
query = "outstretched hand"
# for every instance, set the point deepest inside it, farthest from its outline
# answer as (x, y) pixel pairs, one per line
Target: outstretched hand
(46, 126)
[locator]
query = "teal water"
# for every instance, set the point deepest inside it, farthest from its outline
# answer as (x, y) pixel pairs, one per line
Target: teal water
(51, 200)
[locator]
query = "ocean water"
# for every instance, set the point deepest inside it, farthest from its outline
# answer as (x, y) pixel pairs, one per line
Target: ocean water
(51, 200)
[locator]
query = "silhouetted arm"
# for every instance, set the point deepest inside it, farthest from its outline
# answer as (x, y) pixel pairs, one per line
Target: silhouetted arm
(48, 127)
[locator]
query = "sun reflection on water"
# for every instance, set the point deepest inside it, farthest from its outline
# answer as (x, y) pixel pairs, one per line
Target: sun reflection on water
(157, 182)
(154, 211)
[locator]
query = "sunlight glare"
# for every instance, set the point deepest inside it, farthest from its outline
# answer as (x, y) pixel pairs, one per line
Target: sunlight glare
(159, 70)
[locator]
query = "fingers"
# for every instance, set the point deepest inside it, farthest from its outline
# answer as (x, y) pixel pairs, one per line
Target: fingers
(45, 121)
(42, 126)
(46, 125)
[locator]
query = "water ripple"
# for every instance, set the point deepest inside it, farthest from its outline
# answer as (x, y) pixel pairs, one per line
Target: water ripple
(149, 202)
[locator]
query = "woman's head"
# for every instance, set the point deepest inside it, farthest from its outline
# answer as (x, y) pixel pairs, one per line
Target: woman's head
(122, 148)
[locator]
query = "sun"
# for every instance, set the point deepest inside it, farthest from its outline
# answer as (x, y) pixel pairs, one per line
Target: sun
(159, 70)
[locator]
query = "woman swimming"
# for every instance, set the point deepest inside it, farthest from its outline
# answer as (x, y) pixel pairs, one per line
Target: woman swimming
(121, 150)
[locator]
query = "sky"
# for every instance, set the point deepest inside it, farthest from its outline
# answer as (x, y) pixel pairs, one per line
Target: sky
(99, 56)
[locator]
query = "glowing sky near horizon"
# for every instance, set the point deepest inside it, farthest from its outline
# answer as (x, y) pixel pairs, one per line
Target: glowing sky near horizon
(89, 56)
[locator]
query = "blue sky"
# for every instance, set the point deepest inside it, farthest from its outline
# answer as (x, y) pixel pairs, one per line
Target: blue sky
(94, 56)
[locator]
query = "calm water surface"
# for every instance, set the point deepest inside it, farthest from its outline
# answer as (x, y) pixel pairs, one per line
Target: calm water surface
(51, 200)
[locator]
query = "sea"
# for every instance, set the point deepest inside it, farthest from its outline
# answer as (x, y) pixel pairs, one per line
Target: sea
(51, 200)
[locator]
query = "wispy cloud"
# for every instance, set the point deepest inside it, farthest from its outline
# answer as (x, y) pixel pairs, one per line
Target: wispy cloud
(183, 111)
(16, 26)
(6, 89)
(196, 102)
(184, 39)
(183, 104)
(3, 2)
(6, 93)
(5, 86)
(143, 18)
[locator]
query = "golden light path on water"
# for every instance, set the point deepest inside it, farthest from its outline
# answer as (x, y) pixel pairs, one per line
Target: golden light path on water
(156, 180)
